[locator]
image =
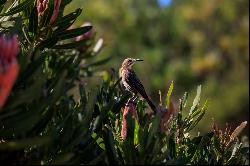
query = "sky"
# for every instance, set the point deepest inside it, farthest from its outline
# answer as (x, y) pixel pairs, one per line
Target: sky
(164, 3)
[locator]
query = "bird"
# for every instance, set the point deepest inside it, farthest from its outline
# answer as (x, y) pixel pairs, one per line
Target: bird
(131, 82)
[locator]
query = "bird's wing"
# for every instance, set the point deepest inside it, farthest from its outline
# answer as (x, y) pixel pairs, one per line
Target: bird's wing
(134, 82)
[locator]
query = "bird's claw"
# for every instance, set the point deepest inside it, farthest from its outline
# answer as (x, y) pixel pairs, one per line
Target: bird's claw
(132, 100)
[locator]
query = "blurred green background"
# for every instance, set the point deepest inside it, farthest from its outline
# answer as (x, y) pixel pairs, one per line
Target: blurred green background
(191, 42)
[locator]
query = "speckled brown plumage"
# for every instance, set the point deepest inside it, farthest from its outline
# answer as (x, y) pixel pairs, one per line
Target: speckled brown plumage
(131, 81)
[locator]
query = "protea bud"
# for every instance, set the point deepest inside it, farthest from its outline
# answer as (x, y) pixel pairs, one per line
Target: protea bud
(130, 107)
(8, 66)
(86, 35)
(56, 11)
(41, 6)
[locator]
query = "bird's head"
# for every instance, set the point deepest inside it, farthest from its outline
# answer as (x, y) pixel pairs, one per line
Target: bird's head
(128, 62)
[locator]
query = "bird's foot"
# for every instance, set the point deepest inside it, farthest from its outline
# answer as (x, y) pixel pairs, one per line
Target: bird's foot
(129, 101)
(132, 100)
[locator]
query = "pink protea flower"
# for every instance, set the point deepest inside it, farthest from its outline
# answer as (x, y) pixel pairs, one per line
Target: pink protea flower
(8, 65)
(129, 107)
(41, 6)
(86, 35)
(57, 4)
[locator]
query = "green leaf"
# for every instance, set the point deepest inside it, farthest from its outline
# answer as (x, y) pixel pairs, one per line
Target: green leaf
(72, 45)
(22, 122)
(59, 86)
(98, 159)
(118, 105)
(72, 33)
(63, 27)
(48, 43)
(184, 100)
(2, 2)
(83, 95)
(216, 147)
(196, 100)
(22, 6)
(110, 146)
(156, 149)
(26, 35)
(129, 150)
(130, 126)
(24, 143)
(27, 96)
(100, 62)
(65, 22)
(153, 129)
(33, 21)
(202, 142)
(172, 146)
(45, 119)
(194, 114)
(68, 18)
(136, 133)
(200, 116)
(169, 94)
(31, 69)
(17, 28)
(61, 159)
(99, 140)
(65, 2)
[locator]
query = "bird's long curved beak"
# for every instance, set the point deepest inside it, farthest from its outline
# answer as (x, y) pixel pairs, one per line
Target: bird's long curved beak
(138, 60)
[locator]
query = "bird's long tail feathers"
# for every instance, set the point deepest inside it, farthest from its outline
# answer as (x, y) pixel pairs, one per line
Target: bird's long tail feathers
(151, 104)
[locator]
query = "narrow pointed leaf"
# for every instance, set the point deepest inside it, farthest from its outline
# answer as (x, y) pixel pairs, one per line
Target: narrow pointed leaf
(33, 21)
(20, 7)
(68, 18)
(200, 116)
(153, 129)
(196, 100)
(73, 33)
(23, 143)
(169, 94)
(72, 45)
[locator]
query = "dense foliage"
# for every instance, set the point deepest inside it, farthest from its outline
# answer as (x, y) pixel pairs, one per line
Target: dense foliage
(190, 41)
(50, 117)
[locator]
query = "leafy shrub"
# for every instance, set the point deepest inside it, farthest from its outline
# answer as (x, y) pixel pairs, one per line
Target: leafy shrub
(148, 143)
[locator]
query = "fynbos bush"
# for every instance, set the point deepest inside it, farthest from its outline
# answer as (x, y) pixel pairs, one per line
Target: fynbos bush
(42, 58)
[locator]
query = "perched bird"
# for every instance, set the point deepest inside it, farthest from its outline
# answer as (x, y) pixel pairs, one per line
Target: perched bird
(131, 81)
